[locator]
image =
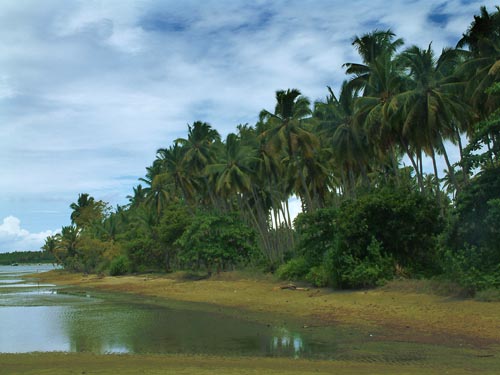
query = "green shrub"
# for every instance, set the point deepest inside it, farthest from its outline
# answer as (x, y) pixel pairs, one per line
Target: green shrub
(294, 269)
(404, 222)
(316, 233)
(372, 270)
(215, 240)
(119, 266)
(488, 295)
(318, 276)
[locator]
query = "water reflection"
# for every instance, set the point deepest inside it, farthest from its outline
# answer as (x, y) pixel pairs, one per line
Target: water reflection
(284, 341)
(43, 318)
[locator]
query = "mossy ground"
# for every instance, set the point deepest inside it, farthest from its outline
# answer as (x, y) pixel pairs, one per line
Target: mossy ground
(414, 331)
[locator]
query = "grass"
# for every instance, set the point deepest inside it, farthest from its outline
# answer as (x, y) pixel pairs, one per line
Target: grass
(418, 327)
(90, 364)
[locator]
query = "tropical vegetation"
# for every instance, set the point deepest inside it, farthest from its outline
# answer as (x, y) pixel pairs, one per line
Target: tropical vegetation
(357, 161)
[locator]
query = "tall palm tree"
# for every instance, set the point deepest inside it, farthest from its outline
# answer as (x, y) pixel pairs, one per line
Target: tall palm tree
(138, 196)
(482, 67)
(232, 171)
(87, 211)
(290, 134)
(430, 109)
(199, 151)
(172, 160)
(375, 111)
(370, 46)
(342, 137)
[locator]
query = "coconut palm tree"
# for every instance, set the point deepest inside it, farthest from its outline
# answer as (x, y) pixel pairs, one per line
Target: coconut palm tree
(375, 111)
(138, 196)
(290, 134)
(233, 168)
(172, 160)
(430, 108)
(481, 68)
(87, 211)
(370, 47)
(199, 150)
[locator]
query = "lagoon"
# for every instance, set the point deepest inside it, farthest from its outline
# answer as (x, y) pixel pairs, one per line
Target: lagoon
(47, 318)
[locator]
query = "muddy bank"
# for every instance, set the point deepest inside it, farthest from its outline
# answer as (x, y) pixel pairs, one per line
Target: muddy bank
(393, 314)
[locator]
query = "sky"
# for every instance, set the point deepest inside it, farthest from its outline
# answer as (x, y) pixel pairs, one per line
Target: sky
(89, 90)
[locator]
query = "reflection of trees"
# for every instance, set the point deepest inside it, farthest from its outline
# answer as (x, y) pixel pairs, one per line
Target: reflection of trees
(285, 342)
(130, 328)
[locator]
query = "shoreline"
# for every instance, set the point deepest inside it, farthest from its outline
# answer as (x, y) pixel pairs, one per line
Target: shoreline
(386, 311)
(401, 315)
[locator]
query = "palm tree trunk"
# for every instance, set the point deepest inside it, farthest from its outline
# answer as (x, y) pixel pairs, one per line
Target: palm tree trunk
(451, 171)
(438, 190)
(415, 166)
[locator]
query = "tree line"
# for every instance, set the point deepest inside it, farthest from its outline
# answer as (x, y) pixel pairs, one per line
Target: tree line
(212, 204)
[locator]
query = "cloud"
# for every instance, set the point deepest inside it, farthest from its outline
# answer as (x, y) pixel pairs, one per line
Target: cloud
(14, 238)
(89, 90)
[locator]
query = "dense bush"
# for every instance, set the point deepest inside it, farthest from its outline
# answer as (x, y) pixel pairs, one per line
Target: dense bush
(214, 240)
(471, 254)
(404, 222)
(294, 269)
(370, 270)
(361, 243)
(119, 266)
(316, 234)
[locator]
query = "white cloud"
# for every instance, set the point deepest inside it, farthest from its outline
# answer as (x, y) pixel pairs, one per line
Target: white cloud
(14, 238)
(90, 89)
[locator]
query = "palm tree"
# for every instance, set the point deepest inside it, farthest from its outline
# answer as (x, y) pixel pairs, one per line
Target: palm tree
(232, 171)
(138, 197)
(158, 193)
(370, 47)
(342, 137)
(375, 111)
(172, 160)
(289, 133)
(199, 151)
(482, 66)
(86, 211)
(430, 109)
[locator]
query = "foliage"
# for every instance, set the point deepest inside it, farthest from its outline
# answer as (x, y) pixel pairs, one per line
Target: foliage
(212, 204)
(404, 222)
(216, 240)
(316, 233)
(172, 225)
(294, 269)
(144, 253)
(26, 257)
(319, 276)
(119, 266)
(370, 270)
(472, 238)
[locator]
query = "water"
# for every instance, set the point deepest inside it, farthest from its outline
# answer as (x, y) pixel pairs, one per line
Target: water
(43, 317)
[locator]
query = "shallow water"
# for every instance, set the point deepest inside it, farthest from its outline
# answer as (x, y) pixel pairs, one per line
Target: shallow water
(43, 317)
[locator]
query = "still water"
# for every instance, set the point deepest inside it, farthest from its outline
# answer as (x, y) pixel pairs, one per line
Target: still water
(43, 317)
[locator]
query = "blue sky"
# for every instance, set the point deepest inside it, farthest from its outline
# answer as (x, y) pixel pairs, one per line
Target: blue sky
(89, 90)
